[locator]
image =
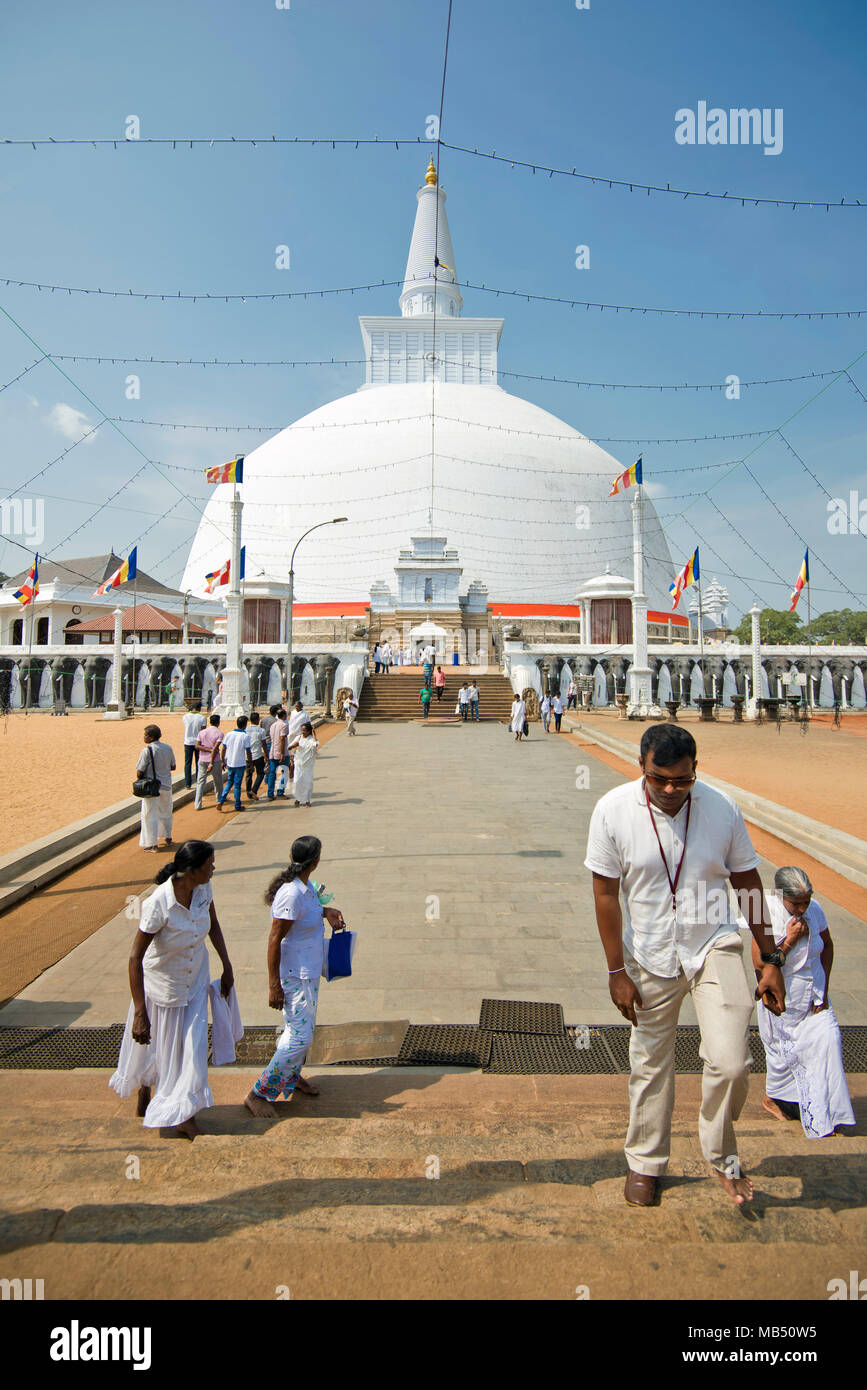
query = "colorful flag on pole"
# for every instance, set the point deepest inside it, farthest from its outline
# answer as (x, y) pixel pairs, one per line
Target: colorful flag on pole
(227, 472)
(631, 478)
(30, 588)
(217, 578)
(802, 579)
(688, 575)
(126, 572)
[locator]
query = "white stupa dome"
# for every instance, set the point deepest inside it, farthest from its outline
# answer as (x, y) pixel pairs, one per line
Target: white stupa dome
(522, 496)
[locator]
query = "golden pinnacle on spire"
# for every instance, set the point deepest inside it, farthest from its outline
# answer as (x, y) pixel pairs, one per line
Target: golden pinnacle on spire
(431, 175)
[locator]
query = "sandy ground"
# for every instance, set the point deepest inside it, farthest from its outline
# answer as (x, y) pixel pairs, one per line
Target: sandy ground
(821, 773)
(96, 754)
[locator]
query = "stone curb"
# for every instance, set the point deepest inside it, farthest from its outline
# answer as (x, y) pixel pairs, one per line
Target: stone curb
(845, 854)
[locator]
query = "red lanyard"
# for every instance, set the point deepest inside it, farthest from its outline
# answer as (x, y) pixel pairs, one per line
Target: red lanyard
(672, 883)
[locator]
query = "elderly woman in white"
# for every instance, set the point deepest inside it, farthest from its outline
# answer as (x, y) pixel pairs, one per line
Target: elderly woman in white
(306, 747)
(165, 1042)
(518, 717)
(803, 1048)
(156, 761)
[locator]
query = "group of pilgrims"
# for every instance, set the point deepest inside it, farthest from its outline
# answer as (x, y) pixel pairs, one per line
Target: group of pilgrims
(164, 1051)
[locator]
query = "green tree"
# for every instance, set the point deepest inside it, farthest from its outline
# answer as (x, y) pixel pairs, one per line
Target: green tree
(776, 626)
(843, 626)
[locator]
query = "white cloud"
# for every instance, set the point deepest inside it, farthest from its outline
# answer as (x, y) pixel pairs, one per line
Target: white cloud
(69, 422)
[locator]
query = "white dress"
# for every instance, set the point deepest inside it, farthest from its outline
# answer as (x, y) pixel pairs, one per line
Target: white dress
(519, 714)
(305, 756)
(175, 1061)
(804, 1050)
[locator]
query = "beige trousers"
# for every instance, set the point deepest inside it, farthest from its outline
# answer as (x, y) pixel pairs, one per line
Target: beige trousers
(724, 1005)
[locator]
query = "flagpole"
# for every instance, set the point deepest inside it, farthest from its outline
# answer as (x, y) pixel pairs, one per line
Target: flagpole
(809, 644)
(134, 607)
(29, 656)
(701, 636)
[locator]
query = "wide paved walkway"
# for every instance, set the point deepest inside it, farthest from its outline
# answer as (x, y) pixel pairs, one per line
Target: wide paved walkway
(455, 852)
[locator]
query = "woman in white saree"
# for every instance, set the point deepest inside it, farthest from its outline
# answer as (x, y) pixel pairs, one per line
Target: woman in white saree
(518, 717)
(306, 748)
(803, 1047)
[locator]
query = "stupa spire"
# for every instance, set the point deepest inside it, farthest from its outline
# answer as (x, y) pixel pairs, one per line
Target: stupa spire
(430, 269)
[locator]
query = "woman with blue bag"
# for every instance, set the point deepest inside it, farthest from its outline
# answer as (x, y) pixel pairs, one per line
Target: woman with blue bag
(296, 955)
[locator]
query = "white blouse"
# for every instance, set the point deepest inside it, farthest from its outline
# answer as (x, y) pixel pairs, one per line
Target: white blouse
(302, 948)
(803, 974)
(176, 962)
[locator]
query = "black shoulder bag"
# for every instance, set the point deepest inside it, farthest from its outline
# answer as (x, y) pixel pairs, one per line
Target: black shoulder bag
(147, 786)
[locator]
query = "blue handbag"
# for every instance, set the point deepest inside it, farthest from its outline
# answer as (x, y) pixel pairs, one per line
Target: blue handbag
(338, 961)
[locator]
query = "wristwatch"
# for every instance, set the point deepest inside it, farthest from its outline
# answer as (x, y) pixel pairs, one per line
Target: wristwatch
(773, 958)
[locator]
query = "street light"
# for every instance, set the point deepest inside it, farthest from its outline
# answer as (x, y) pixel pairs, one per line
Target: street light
(333, 522)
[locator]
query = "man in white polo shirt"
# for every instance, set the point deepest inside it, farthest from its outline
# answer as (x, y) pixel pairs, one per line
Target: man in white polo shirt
(236, 756)
(670, 846)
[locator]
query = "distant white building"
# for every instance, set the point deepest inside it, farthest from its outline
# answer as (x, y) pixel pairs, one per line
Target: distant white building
(431, 446)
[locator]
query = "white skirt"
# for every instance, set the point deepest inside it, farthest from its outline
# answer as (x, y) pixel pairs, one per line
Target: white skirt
(174, 1062)
(302, 784)
(156, 818)
(805, 1064)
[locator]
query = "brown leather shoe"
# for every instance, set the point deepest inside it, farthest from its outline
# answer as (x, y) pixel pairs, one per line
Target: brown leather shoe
(640, 1189)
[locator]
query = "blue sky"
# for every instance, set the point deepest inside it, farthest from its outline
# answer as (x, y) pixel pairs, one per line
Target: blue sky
(594, 89)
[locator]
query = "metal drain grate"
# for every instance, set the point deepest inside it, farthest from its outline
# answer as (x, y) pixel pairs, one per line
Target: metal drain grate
(527, 1054)
(516, 1051)
(521, 1016)
(428, 1044)
(60, 1049)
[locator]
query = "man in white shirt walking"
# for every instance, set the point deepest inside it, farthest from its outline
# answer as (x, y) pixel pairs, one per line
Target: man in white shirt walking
(350, 713)
(557, 711)
(235, 749)
(297, 719)
(194, 723)
(670, 846)
(385, 656)
(258, 743)
(545, 712)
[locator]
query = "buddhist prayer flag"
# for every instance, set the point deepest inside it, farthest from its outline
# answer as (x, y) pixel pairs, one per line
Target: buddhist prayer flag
(688, 575)
(126, 572)
(30, 588)
(217, 578)
(631, 478)
(802, 579)
(227, 472)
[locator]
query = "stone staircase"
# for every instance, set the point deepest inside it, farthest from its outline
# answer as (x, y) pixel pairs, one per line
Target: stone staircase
(395, 696)
(412, 1184)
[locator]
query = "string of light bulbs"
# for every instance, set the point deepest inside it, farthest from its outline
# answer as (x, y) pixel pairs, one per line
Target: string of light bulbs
(535, 166)
(107, 360)
(168, 296)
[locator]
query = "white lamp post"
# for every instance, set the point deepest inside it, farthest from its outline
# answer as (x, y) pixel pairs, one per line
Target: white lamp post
(333, 522)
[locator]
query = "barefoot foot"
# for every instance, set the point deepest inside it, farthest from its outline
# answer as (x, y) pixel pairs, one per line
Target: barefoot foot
(187, 1130)
(306, 1088)
(773, 1109)
(143, 1100)
(258, 1106)
(739, 1189)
